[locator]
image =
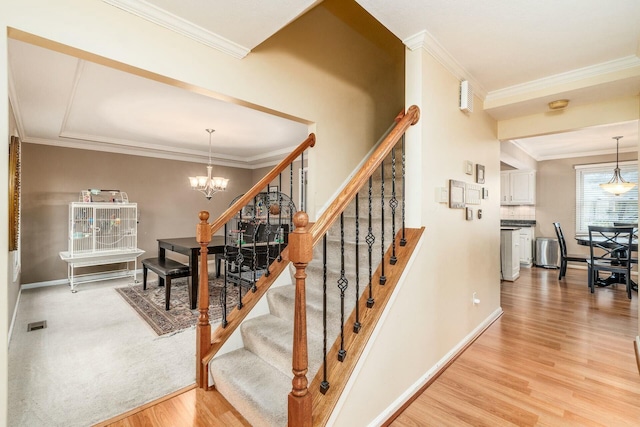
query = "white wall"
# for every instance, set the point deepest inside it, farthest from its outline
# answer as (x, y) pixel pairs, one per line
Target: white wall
(432, 312)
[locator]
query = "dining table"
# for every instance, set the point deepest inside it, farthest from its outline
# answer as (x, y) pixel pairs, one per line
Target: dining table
(584, 240)
(190, 247)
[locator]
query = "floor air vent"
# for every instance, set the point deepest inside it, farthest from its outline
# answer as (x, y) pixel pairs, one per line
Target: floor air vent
(36, 325)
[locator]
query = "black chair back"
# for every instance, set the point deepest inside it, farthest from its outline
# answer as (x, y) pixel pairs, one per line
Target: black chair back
(613, 244)
(561, 242)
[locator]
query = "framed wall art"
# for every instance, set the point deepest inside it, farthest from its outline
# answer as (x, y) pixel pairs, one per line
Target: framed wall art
(479, 174)
(456, 194)
(14, 192)
(473, 194)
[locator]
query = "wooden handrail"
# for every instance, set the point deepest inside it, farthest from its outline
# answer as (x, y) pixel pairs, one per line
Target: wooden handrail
(262, 184)
(301, 251)
(205, 349)
(351, 189)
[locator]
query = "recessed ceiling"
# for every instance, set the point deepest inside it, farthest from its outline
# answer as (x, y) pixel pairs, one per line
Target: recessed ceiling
(65, 101)
(594, 141)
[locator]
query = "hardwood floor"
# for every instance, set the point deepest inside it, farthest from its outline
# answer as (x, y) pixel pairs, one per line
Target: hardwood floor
(558, 356)
(194, 407)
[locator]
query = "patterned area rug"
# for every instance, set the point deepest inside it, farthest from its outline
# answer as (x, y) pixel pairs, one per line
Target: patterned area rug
(149, 304)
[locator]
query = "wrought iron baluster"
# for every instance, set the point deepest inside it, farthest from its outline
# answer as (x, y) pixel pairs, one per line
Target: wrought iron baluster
(370, 239)
(357, 325)
(393, 203)
(403, 240)
(268, 233)
(291, 193)
(280, 231)
(383, 278)
(324, 385)
(224, 287)
(239, 261)
(302, 200)
(343, 283)
(254, 255)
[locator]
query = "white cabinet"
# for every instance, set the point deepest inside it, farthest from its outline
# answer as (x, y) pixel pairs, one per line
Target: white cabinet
(526, 246)
(510, 253)
(518, 187)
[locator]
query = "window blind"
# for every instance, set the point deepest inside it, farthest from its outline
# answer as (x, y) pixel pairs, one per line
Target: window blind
(594, 206)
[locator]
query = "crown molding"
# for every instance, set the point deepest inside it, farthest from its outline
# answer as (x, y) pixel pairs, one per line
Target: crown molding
(88, 142)
(569, 77)
(168, 20)
(427, 42)
(572, 155)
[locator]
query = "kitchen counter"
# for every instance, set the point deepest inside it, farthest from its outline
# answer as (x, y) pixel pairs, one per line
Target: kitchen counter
(517, 222)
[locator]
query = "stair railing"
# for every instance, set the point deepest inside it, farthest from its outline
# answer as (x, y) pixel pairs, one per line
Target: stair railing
(301, 403)
(207, 344)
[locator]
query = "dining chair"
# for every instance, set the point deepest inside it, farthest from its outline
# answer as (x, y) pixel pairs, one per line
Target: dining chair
(564, 257)
(634, 259)
(610, 251)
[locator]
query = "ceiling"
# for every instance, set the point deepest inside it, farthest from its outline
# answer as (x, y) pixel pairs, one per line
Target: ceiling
(533, 52)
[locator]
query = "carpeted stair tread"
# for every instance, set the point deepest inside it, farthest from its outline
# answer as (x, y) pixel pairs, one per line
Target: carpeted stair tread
(254, 387)
(281, 304)
(257, 378)
(269, 337)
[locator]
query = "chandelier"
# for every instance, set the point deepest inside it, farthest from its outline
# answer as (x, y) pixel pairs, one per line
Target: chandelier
(617, 185)
(208, 185)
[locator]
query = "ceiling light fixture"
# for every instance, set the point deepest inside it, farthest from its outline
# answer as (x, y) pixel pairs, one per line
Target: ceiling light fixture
(208, 185)
(617, 185)
(558, 104)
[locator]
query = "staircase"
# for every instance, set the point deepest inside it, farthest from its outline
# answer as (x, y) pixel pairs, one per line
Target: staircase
(256, 378)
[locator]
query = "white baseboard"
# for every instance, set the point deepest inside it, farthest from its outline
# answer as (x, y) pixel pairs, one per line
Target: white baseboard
(435, 370)
(94, 278)
(637, 351)
(13, 318)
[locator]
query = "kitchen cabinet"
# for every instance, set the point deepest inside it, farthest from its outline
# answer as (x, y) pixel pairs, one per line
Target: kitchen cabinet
(510, 253)
(518, 187)
(526, 246)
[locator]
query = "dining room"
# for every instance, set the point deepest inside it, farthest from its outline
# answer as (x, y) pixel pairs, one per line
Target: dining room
(569, 170)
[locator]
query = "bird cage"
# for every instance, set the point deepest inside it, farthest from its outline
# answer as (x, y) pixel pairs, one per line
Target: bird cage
(101, 233)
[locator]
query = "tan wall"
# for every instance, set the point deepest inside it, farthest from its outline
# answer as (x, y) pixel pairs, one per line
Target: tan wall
(433, 310)
(53, 177)
(556, 196)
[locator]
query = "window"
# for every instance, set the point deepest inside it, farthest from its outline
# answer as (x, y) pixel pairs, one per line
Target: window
(594, 206)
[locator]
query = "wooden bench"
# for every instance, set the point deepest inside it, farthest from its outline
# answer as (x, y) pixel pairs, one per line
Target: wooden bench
(166, 269)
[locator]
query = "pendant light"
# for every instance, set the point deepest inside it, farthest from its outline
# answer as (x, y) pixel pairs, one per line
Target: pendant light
(617, 185)
(208, 185)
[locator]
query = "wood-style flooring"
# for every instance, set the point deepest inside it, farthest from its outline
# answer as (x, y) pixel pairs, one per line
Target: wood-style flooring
(558, 356)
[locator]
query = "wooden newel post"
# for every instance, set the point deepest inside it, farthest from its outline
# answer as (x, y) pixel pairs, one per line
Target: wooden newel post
(300, 253)
(203, 328)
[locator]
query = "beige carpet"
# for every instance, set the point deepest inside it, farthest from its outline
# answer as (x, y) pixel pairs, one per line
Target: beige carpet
(150, 304)
(96, 358)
